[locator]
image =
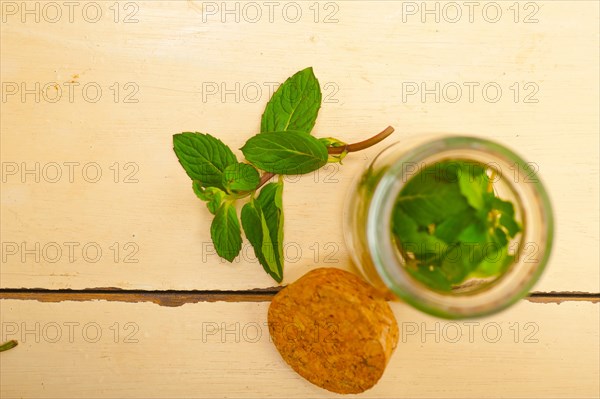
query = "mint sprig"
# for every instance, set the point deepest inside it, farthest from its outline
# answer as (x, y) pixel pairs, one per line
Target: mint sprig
(284, 146)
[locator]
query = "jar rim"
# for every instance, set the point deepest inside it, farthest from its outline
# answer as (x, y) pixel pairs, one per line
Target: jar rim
(499, 294)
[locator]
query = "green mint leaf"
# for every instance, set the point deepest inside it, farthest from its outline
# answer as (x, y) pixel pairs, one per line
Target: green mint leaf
(212, 195)
(240, 177)
(440, 264)
(507, 216)
(215, 203)
(450, 229)
(271, 203)
(504, 207)
(480, 240)
(433, 277)
(433, 195)
(203, 157)
(474, 233)
(494, 264)
(292, 153)
(295, 105)
(225, 232)
(473, 183)
(412, 242)
(510, 224)
(468, 255)
(199, 191)
(257, 231)
(499, 237)
(459, 260)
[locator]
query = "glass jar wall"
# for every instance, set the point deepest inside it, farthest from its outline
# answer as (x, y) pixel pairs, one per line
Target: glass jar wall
(370, 214)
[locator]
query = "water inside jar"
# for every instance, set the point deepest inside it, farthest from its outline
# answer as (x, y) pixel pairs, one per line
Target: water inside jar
(456, 224)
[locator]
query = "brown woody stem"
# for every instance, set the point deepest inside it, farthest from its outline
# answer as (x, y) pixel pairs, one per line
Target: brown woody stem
(8, 345)
(265, 178)
(361, 145)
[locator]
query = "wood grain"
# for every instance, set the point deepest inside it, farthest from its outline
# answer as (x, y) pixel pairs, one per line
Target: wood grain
(215, 350)
(173, 57)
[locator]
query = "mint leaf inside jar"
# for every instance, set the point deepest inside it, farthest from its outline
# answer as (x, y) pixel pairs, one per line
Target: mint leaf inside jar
(450, 225)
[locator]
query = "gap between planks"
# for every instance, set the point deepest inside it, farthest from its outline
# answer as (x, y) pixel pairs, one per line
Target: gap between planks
(179, 298)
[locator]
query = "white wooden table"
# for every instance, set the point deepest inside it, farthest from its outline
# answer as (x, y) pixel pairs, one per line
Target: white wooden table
(108, 279)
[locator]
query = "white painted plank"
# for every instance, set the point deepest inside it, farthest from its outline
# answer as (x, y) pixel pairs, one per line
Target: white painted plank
(533, 350)
(363, 61)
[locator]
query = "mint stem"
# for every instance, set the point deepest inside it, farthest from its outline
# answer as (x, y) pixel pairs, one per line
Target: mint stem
(8, 345)
(265, 178)
(361, 145)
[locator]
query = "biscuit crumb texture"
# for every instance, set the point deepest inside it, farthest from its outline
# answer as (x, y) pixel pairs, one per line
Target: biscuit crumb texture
(334, 329)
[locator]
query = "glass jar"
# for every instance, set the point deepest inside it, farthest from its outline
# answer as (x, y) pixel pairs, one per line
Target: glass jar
(368, 231)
